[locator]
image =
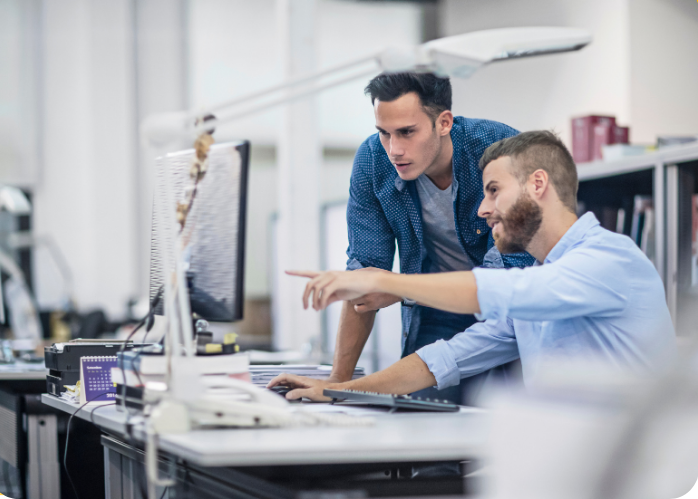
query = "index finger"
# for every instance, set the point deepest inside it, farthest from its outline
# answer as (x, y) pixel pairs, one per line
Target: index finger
(303, 273)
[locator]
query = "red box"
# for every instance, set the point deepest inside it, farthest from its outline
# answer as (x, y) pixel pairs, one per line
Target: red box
(604, 134)
(621, 134)
(583, 136)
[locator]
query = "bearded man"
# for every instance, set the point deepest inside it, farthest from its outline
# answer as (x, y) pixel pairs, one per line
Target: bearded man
(592, 296)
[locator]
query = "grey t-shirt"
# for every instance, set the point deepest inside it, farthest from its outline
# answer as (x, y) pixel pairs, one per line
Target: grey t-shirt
(440, 238)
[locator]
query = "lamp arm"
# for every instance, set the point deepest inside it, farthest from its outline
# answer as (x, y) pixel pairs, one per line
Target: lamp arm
(286, 92)
(292, 83)
(162, 127)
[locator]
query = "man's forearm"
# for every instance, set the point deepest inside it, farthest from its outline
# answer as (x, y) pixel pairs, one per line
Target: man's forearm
(450, 291)
(405, 376)
(354, 330)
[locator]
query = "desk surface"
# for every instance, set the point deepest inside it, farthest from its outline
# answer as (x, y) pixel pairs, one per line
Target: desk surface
(22, 371)
(401, 437)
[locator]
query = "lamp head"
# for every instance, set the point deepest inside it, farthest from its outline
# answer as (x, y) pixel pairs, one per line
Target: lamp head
(462, 55)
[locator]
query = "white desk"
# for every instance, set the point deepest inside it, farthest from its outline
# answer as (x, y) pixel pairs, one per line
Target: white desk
(400, 437)
(279, 462)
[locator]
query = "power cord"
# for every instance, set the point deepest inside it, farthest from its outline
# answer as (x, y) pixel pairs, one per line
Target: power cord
(149, 319)
(67, 439)
(98, 407)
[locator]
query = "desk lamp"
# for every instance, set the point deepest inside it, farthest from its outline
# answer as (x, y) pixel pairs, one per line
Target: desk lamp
(458, 56)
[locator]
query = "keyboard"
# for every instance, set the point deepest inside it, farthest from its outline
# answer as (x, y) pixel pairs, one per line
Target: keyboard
(393, 401)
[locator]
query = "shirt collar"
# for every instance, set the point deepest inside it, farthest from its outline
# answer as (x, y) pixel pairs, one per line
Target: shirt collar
(572, 236)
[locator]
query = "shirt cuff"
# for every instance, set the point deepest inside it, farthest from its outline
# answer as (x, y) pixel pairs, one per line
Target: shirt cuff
(440, 360)
(354, 264)
(494, 292)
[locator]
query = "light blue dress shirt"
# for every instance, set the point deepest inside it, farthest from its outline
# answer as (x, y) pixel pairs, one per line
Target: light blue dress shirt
(596, 296)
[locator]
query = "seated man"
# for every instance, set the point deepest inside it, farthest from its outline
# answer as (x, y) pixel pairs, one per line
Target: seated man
(592, 294)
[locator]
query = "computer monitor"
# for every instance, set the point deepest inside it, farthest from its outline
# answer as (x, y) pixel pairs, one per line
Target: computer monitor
(214, 233)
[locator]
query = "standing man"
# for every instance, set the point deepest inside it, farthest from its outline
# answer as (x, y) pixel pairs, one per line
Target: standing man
(417, 182)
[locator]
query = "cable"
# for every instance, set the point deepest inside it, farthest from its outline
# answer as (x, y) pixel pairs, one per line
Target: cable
(99, 407)
(67, 439)
(138, 354)
(153, 303)
(129, 437)
(163, 493)
(121, 360)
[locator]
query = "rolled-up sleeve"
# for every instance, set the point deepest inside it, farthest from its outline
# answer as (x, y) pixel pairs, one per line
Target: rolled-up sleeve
(582, 283)
(480, 347)
(354, 264)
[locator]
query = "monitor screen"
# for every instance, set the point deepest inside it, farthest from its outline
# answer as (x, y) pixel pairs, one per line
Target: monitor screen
(213, 238)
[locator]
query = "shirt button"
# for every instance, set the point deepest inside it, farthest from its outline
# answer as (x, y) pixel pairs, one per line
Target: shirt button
(478, 231)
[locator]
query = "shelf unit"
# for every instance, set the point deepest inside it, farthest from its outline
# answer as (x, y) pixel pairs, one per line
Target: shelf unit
(670, 175)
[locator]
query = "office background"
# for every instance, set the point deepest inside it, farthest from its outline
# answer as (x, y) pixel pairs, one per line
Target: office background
(78, 76)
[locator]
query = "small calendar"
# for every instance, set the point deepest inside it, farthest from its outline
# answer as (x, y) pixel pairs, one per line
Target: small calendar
(95, 378)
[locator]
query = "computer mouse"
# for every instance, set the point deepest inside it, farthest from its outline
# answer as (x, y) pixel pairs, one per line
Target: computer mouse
(281, 389)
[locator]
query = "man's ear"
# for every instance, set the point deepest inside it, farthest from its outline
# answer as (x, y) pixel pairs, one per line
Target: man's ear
(444, 123)
(539, 183)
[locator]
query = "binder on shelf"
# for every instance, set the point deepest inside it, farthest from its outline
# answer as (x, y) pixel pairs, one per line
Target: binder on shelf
(603, 135)
(647, 238)
(620, 221)
(643, 227)
(590, 134)
(583, 136)
(694, 240)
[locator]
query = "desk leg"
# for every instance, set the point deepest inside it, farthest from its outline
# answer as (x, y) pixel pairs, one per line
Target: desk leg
(43, 473)
(112, 474)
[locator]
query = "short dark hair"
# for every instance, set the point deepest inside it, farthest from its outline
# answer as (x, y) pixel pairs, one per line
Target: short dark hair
(535, 150)
(434, 92)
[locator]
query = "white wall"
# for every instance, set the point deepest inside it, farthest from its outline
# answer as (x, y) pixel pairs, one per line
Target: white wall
(103, 66)
(19, 106)
(663, 68)
(640, 67)
(234, 51)
(263, 205)
(545, 92)
(85, 196)
(161, 86)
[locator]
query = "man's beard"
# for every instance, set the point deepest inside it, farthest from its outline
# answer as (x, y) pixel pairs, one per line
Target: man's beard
(520, 223)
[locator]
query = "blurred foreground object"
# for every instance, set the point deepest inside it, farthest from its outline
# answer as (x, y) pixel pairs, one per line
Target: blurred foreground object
(589, 433)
